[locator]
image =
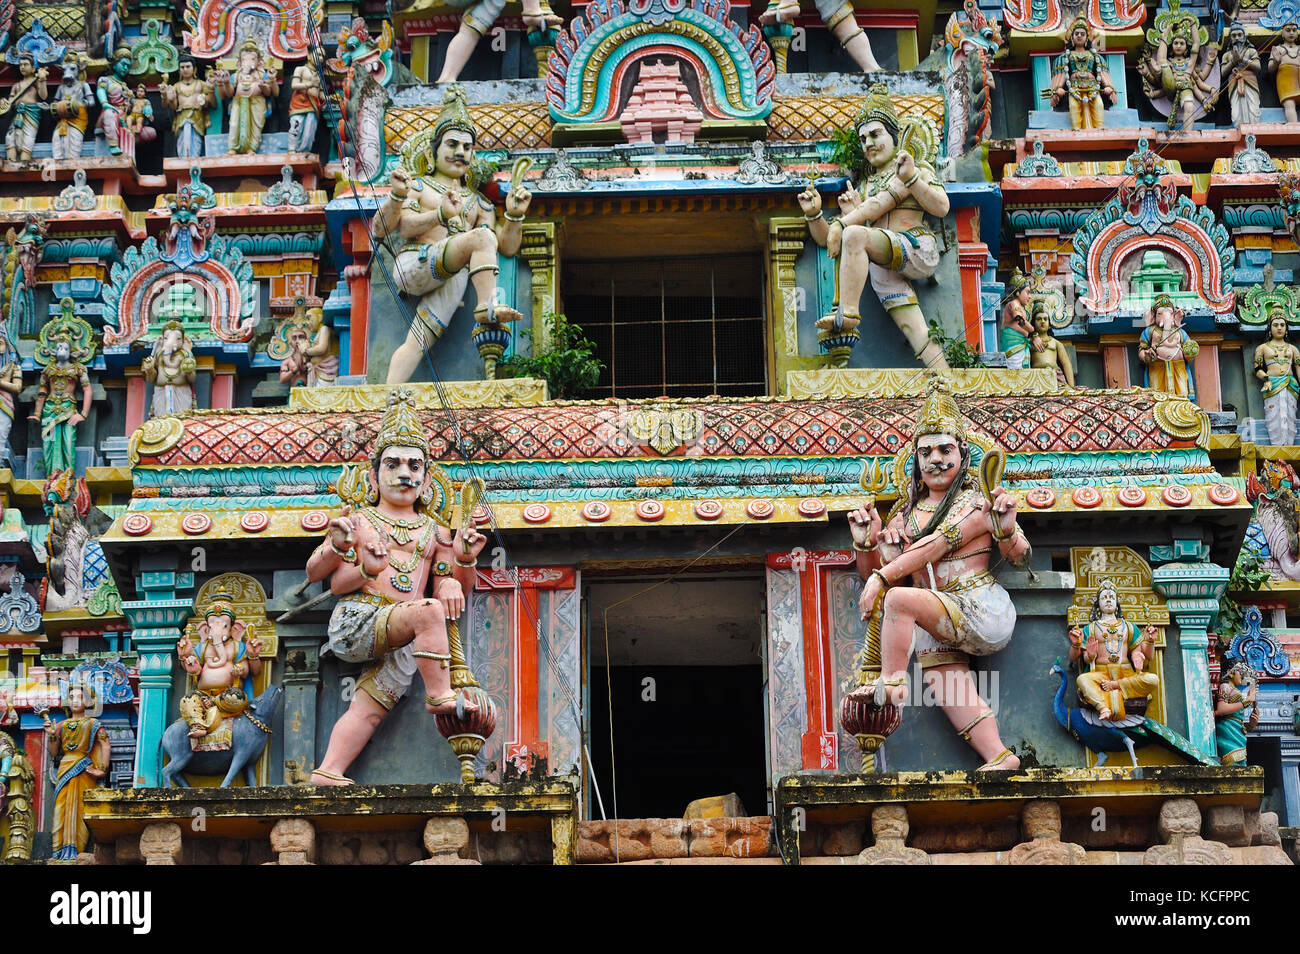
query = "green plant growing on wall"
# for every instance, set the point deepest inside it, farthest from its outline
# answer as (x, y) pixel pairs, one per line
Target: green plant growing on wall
(1248, 576)
(958, 353)
(847, 152)
(568, 362)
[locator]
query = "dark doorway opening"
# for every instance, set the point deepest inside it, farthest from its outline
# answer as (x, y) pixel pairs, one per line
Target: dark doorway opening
(686, 686)
(702, 736)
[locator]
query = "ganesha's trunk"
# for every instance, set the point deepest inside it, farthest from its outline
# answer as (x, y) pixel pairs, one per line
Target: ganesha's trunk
(1280, 544)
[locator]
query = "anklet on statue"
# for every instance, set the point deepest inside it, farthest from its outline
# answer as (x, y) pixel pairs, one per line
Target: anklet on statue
(443, 658)
(484, 268)
(332, 777)
(965, 733)
(992, 766)
(440, 700)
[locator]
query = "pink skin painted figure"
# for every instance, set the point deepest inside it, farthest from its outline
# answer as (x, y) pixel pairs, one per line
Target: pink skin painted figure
(930, 567)
(379, 560)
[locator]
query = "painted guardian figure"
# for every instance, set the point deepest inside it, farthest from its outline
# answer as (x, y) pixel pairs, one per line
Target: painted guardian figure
(927, 570)
(450, 234)
(881, 233)
(380, 560)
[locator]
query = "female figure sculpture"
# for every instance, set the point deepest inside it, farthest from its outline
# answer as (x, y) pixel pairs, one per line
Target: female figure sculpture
(83, 749)
(1080, 74)
(1229, 726)
(1284, 61)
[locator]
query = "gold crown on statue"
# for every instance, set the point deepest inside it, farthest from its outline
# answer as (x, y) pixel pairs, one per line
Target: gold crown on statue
(221, 604)
(1017, 281)
(878, 108)
(939, 414)
(1162, 301)
(401, 426)
(454, 113)
(1081, 22)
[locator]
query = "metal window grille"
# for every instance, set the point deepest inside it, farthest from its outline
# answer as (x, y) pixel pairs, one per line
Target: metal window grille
(672, 327)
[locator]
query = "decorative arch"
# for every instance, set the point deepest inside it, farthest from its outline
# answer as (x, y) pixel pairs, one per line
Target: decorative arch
(1048, 16)
(145, 274)
(1148, 213)
(213, 26)
(734, 66)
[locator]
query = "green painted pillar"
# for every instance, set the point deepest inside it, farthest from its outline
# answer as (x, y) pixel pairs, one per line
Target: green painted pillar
(1192, 586)
(157, 622)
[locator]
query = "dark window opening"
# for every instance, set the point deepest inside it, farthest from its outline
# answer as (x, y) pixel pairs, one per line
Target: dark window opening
(672, 327)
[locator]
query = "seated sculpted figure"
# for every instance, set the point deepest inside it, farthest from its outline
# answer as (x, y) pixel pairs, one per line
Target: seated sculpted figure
(381, 560)
(1116, 654)
(222, 663)
(450, 233)
(881, 233)
(927, 571)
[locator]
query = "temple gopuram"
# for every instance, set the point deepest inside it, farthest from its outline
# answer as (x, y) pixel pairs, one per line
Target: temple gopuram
(662, 431)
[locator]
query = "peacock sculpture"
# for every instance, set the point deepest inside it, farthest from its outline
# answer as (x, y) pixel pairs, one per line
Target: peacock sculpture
(1117, 735)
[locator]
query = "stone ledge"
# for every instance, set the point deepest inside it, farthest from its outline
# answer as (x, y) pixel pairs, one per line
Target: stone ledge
(242, 815)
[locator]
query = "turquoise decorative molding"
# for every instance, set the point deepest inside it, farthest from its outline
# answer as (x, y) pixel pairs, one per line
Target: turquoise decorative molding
(1064, 221)
(59, 251)
(1256, 215)
(277, 243)
(1192, 592)
(257, 486)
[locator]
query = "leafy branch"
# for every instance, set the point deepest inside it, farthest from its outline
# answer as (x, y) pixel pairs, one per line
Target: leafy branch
(568, 362)
(1248, 576)
(958, 353)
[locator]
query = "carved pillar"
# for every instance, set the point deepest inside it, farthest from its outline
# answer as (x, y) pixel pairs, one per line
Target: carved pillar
(301, 677)
(356, 242)
(820, 742)
(789, 303)
(974, 260)
(538, 250)
(156, 625)
(1191, 586)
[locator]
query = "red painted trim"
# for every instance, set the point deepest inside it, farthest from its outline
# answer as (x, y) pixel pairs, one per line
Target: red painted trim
(135, 388)
(819, 745)
(223, 390)
(34, 743)
(1206, 369)
(357, 243)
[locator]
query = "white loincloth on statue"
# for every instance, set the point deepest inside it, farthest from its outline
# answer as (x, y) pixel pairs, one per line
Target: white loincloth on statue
(1280, 414)
(982, 615)
(418, 273)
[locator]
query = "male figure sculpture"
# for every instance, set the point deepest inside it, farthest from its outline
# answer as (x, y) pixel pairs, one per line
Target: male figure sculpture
(929, 567)
(116, 100)
(1277, 366)
(304, 108)
(24, 108)
(380, 560)
(220, 664)
(477, 20)
(1115, 656)
(71, 109)
(189, 99)
(451, 235)
(882, 233)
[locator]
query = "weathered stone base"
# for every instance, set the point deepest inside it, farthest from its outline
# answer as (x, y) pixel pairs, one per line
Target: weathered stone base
(626, 840)
(488, 823)
(1039, 816)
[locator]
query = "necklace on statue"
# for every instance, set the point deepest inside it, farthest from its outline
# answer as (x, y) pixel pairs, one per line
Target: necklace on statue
(400, 530)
